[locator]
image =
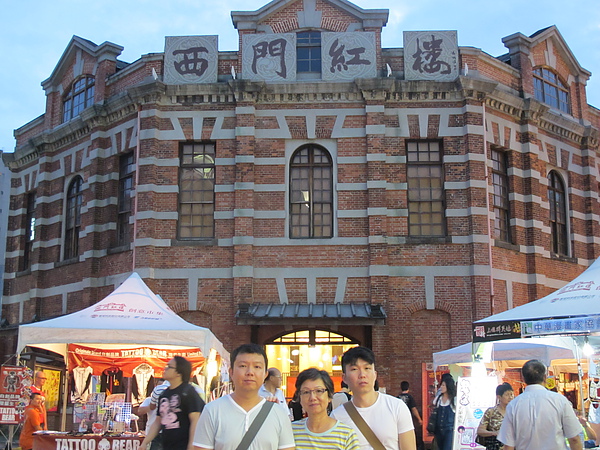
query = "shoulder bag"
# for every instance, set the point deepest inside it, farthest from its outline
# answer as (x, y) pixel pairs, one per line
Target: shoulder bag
(256, 424)
(364, 428)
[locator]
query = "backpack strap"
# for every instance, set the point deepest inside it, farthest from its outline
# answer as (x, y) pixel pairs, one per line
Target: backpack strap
(256, 424)
(364, 428)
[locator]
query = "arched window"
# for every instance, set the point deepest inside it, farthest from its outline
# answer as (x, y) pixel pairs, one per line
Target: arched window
(73, 218)
(79, 97)
(558, 214)
(548, 88)
(311, 193)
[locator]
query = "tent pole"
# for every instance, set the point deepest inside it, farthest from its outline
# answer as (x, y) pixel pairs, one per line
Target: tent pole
(63, 419)
(580, 376)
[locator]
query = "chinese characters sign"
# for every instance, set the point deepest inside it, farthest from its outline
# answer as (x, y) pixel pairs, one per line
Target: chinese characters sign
(346, 56)
(560, 326)
(492, 331)
(269, 57)
(14, 393)
(431, 55)
(191, 59)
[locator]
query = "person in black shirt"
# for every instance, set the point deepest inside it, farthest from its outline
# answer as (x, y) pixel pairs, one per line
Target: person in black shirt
(179, 409)
(412, 405)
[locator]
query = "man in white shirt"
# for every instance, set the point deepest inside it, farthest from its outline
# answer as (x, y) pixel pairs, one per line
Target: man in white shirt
(387, 416)
(539, 418)
(271, 389)
(225, 421)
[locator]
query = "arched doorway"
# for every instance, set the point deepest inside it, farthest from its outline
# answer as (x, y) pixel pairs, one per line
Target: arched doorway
(298, 350)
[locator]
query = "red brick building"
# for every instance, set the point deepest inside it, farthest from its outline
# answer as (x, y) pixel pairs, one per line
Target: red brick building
(311, 190)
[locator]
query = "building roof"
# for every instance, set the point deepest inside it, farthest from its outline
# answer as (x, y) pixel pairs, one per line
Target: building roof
(299, 313)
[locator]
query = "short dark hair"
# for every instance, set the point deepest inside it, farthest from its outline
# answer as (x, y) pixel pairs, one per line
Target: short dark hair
(183, 367)
(315, 374)
(248, 349)
(34, 395)
(354, 354)
(502, 388)
(534, 372)
(404, 386)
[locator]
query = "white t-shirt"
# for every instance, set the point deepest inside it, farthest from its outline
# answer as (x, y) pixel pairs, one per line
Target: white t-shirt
(388, 417)
(223, 423)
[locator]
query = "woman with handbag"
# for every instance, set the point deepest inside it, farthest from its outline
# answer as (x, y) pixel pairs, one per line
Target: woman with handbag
(445, 410)
(318, 431)
(492, 419)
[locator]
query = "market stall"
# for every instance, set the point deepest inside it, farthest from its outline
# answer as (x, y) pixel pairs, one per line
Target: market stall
(131, 331)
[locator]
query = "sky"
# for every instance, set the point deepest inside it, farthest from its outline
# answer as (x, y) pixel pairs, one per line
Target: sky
(35, 33)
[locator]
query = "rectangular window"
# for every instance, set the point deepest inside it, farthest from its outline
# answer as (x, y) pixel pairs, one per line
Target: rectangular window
(197, 191)
(308, 52)
(29, 230)
(125, 200)
(425, 189)
(500, 196)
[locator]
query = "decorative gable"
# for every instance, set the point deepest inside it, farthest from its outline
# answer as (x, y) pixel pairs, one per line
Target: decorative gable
(280, 16)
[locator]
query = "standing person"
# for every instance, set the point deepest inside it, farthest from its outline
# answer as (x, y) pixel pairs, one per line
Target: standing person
(388, 417)
(445, 405)
(493, 417)
(226, 420)
(539, 418)
(39, 380)
(271, 389)
(318, 430)
(407, 398)
(34, 421)
(148, 407)
(341, 396)
(179, 408)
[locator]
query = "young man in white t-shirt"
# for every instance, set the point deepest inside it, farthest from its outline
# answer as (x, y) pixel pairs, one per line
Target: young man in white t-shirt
(387, 416)
(225, 421)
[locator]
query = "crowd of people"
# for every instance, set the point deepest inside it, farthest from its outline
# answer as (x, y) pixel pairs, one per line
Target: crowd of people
(255, 416)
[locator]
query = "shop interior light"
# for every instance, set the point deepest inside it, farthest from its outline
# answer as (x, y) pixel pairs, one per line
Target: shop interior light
(478, 369)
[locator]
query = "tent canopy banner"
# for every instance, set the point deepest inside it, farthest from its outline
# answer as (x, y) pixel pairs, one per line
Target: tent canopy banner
(560, 326)
(573, 309)
(127, 359)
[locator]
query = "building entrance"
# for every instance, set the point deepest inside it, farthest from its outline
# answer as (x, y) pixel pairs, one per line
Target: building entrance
(293, 352)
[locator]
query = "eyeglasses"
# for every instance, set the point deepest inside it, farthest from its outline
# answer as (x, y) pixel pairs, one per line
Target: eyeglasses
(317, 392)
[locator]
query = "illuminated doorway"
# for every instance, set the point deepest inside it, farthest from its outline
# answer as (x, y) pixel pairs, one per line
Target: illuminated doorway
(293, 352)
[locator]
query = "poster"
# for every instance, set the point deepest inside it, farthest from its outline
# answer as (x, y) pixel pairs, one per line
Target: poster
(473, 396)
(14, 396)
(51, 388)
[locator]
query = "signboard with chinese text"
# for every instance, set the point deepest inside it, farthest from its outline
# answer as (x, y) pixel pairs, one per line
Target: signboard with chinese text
(191, 59)
(269, 57)
(431, 55)
(572, 325)
(346, 56)
(494, 331)
(14, 393)
(473, 396)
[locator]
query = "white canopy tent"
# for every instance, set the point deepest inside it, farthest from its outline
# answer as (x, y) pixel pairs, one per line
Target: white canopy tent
(573, 309)
(545, 349)
(132, 314)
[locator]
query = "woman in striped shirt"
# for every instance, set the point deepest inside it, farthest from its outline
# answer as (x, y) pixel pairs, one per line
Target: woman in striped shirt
(319, 431)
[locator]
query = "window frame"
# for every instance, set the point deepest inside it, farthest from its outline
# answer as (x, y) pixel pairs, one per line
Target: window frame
(29, 228)
(546, 80)
(500, 200)
(558, 214)
(74, 202)
(83, 94)
(127, 167)
(311, 167)
(442, 224)
(306, 40)
(181, 202)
